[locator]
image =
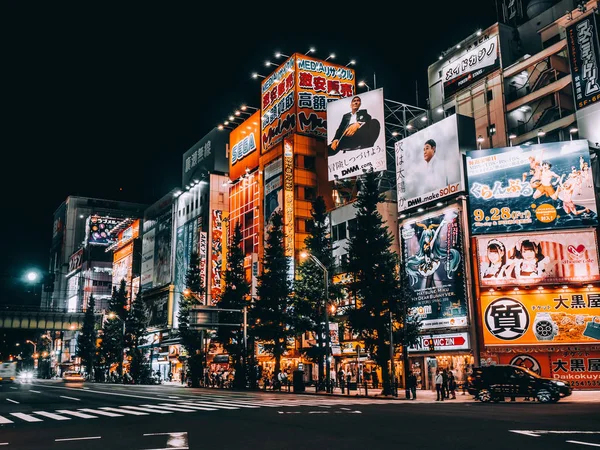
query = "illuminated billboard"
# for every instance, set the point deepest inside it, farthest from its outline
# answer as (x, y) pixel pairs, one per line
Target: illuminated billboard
(209, 154)
(243, 144)
(273, 190)
(584, 57)
(531, 188)
(356, 135)
(434, 264)
(294, 97)
(98, 230)
(568, 316)
(429, 163)
(533, 259)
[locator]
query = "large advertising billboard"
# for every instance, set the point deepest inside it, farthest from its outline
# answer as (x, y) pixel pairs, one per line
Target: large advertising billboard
(356, 135)
(429, 164)
(122, 266)
(216, 255)
(243, 143)
(535, 259)
(162, 252)
(147, 271)
(273, 189)
(472, 66)
(531, 188)
(294, 97)
(208, 154)
(186, 242)
(584, 57)
(568, 316)
(98, 230)
(434, 261)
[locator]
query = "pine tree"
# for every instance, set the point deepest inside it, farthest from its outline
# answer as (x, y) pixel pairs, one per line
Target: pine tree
(235, 296)
(374, 268)
(192, 339)
(136, 330)
(310, 284)
(271, 312)
(113, 336)
(86, 342)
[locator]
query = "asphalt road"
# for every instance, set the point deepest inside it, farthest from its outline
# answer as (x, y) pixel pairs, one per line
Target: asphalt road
(55, 415)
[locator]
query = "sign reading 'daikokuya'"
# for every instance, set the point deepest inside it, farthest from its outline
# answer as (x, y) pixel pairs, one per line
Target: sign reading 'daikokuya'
(584, 57)
(433, 259)
(533, 259)
(471, 66)
(529, 188)
(541, 318)
(429, 164)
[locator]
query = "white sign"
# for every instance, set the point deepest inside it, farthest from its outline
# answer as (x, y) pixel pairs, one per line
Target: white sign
(148, 258)
(441, 342)
(483, 55)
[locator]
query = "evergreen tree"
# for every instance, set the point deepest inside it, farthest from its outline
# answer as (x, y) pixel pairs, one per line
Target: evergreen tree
(86, 341)
(192, 339)
(136, 330)
(309, 287)
(374, 268)
(271, 312)
(113, 336)
(235, 296)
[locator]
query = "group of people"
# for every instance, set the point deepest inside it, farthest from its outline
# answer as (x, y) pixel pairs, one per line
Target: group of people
(445, 385)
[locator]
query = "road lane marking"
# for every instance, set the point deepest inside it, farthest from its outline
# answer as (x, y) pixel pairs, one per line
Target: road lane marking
(26, 417)
(5, 420)
(170, 396)
(212, 405)
(538, 433)
(180, 408)
(76, 414)
(12, 401)
(200, 408)
(124, 411)
(12, 387)
(239, 405)
(51, 415)
(147, 410)
(78, 439)
(101, 413)
(584, 443)
(3, 443)
(70, 398)
(37, 392)
(106, 393)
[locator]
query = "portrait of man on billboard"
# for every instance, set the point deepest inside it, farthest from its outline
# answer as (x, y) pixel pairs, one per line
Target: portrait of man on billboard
(356, 130)
(432, 171)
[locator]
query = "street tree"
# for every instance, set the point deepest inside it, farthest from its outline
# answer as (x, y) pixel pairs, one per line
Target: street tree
(86, 342)
(375, 280)
(309, 287)
(235, 296)
(135, 337)
(113, 336)
(271, 311)
(192, 339)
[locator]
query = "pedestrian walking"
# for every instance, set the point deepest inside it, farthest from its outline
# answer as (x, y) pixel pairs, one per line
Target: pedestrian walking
(452, 384)
(341, 378)
(439, 381)
(445, 383)
(375, 378)
(348, 378)
(411, 384)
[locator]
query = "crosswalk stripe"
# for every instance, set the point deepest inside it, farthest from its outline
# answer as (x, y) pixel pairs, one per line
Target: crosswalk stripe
(147, 410)
(124, 411)
(212, 405)
(5, 420)
(180, 408)
(201, 408)
(26, 417)
(50, 415)
(100, 412)
(76, 414)
(239, 405)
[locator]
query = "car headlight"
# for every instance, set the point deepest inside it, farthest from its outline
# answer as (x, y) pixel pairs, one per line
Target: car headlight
(559, 383)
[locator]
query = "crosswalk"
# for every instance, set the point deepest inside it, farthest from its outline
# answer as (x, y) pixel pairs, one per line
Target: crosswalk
(195, 405)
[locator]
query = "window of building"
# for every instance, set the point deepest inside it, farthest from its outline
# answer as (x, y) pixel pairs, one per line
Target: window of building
(309, 225)
(248, 219)
(352, 228)
(339, 231)
(450, 111)
(197, 200)
(310, 193)
(492, 129)
(309, 162)
(187, 209)
(489, 95)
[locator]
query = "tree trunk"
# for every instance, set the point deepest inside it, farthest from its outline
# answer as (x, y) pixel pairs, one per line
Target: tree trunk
(321, 352)
(385, 379)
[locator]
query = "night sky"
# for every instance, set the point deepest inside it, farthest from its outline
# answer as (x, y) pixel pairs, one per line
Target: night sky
(104, 102)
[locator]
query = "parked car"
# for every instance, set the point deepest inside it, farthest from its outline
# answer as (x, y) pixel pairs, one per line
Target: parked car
(494, 383)
(73, 376)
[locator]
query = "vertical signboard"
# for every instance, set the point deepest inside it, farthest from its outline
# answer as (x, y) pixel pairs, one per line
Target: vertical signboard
(203, 256)
(163, 249)
(288, 187)
(434, 261)
(273, 190)
(531, 188)
(216, 255)
(356, 135)
(584, 57)
(148, 244)
(243, 142)
(208, 154)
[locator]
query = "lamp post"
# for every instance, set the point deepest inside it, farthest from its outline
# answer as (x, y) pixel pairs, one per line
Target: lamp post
(325, 318)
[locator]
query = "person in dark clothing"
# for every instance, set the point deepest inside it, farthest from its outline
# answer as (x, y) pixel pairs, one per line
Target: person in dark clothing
(445, 383)
(356, 130)
(411, 384)
(375, 378)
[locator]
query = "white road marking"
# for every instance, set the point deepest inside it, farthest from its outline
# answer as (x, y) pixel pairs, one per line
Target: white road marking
(106, 393)
(12, 401)
(5, 420)
(51, 415)
(537, 433)
(180, 408)
(526, 433)
(124, 411)
(147, 410)
(12, 387)
(76, 414)
(101, 413)
(26, 417)
(78, 438)
(201, 408)
(37, 392)
(584, 443)
(212, 405)
(70, 398)
(170, 396)
(239, 405)
(3, 443)
(318, 412)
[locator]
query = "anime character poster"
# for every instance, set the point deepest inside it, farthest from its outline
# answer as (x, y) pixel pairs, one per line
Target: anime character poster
(433, 259)
(531, 188)
(534, 259)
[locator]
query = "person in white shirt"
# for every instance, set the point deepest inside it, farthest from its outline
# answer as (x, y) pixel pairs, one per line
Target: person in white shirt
(432, 174)
(439, 381)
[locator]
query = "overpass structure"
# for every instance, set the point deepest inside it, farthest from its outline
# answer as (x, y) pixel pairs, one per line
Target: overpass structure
(34, 318)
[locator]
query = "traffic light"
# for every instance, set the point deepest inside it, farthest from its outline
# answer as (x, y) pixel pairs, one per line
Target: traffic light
(49, 282)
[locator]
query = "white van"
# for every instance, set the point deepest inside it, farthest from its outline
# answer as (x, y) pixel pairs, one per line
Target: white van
(8, 372)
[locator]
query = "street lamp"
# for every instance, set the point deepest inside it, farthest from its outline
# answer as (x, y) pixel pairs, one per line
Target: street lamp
(363, 84)
(572, 131)
(326, 314)
(479, 141)
(511, 137)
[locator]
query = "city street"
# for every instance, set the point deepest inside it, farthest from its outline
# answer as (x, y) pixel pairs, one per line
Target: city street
(53, 415)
